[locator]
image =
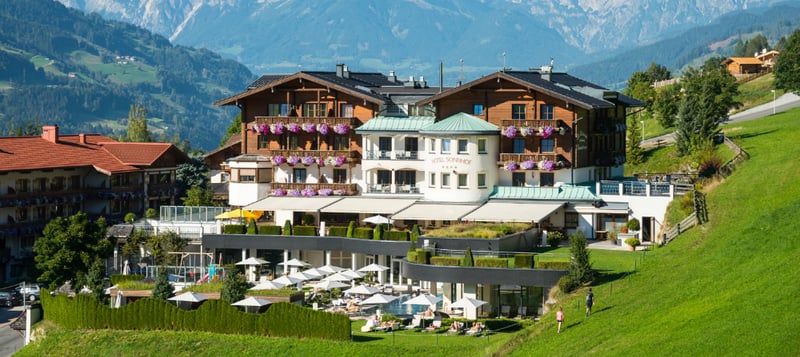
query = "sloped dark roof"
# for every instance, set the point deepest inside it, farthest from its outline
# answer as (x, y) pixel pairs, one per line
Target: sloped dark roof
(265, 79)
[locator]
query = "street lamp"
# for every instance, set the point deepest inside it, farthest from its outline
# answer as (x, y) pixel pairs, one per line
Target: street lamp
(773, 102)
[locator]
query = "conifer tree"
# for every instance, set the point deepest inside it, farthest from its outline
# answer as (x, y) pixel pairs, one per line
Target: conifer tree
(234, 288)
(95, 281)
(162, 289)
(580, 268)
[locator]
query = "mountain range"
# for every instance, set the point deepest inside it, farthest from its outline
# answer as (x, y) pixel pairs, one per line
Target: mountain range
(470, 38)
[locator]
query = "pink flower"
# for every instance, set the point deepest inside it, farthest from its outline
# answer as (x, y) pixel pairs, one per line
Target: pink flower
(309, 128)
(341, 129)
(308, 192)
(277, 128)
(321, 162)
(511, 166)
(308, 160)
(325, 192)
(527, 131)
(293, 127)
(511, 131)
(322, 128)
(293, 160)
(263, 129)
(339, 161)
(547, 132)
(527, 165)
(294, 193)
(548, 165)
(278, 159)
(279, 192)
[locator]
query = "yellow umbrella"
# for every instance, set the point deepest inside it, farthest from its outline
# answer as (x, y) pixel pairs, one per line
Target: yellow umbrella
(240, 213)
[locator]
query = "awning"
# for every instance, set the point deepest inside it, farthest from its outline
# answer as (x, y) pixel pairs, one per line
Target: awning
(435, 211)
(297, 204)
(509, 211)
(609, 207)
(385, 206)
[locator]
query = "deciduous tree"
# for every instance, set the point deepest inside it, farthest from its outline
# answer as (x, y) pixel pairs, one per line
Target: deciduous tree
(787, 67)
(68, 247)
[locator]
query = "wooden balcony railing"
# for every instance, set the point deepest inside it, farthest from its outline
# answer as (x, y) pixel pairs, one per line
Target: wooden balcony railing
(350, 154)
(300, 120)
(556, 123)
(561, 161)
(349, 189)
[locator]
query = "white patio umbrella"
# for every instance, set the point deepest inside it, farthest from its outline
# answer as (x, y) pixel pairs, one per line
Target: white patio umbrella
(352, 273)
(468, 303)
(378, 220)
(330, 269)
(362, 290)
(268, 285)
(329, 284)
(252, 261)
(302, 276)
(252, 302)
(316, 272)
(294, 262)
(188, 297)
(373, 268)
(287, 280)
(423, 299)
(379, 299)
(338, 277)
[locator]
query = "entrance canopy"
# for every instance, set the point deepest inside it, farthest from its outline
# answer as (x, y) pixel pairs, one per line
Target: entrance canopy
(514, 211)
(435, 211)
(366, 205)
(297, 204)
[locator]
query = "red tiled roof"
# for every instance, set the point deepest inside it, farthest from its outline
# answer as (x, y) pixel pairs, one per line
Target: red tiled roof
(104, 154)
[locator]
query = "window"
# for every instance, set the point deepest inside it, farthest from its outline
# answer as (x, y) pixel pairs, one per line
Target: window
(22, 185)
(546, 112)
(339, 176)
(518, 179)
(518, 111)
(571, 219)
(481, 180)
(445, 180)
(432, 181)
(384, 177)
(519, 146)
(278, 110)
(385, 144)
(481, 146)
(477, 109)
(405, 177)
(247, 175)
(346, 110)
(314, 110)
(75, 182)
(341, 142)
(462, 146)
(263, 142)
(291, 142)
(22, 214)
(299, 175)
(39, 184)
(412, 146)
(546, 179)
(60, 183)
(431, 146)
(445, 146)
(548, 145)
(462, 180)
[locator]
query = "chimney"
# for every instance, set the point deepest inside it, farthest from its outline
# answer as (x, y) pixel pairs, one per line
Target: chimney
(410, 82)
(345, 72)
(82, 139)
(340, 70)
(50, 133)
(422, 83)
(392, 77)
(545, 72)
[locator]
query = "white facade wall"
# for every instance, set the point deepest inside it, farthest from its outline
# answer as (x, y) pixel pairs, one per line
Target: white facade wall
(439, 164)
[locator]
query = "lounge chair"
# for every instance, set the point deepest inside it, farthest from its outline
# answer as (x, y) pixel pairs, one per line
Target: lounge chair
(415, 323)
(434, 326)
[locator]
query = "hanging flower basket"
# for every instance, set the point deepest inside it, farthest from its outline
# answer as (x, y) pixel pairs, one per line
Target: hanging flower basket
(323, 128)
(277, 128)
(511, 166)
(293, 127)
(527, 131)
(294, 193)
(325, 192)
(308, 160)
(263, 129)
(309, 128)
(547, 132)
(511, 131)
(339, 161)
(527, 165)
(308, 192)
(547, 165)
(293, 160)
(341, 129)
(279, 192)
(278, 160)
(321, 162)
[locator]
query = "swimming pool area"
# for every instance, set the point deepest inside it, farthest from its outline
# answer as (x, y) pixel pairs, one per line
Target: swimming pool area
(397, 308)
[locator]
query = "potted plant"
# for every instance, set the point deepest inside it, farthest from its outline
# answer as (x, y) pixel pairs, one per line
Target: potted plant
(632, 243)
(633, 224)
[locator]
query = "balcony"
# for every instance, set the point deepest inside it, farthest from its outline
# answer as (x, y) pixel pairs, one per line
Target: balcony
(300, 120)
(391, 155)
(397, 189)
(557, 123)
(349, 189)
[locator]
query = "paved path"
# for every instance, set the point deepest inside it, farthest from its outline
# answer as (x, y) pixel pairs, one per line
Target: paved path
(10, 339)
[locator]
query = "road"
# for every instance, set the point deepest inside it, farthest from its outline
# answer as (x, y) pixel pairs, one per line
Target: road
(10, 340)
(782, 104)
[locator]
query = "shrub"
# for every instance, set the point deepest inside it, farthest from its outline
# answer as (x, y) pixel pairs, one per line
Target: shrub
(633, 242)
(233, 229)
(415, 233)
(412, 256)
(580, 268)
(151, 213)
(119, 278)
(351, 229)
(363, 233)
(491, 262)
(308, 231)
(287, 228)
(633, 224)
(270, 230)
(523, 261)
(337, 231)
(553, 265)
(377, 233)
(234, 289)
(252, 228)
(308, 219)
(448, 261)
(395, 235)
(130, 217)
(709, 167)
(469, 261)
(566, 284)
(423, 256)
(554, 238)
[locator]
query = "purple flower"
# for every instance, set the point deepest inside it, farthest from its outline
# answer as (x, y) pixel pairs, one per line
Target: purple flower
(277, 128)
(308, 192)
(325, 192)
(341, 129)
(339, 161)
(293, 160)
(308, 160)
(547, 132)
(511, 166)
(293, 127)
(278, 159)
(322, 128)
(548, 165)
(511, 131)
(321, 162)
(263, 129)
(294, 193)
(279, 192)
(527, 165)
(527, 131)
(309, 128)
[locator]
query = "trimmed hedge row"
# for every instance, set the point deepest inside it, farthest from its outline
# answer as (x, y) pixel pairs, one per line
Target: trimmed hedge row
(523, 261)
(308, 231)
(337, 231)
(270, 230)
(363, 233)
(119, 278)
(396, 235)
(491, 262)
(234, 229)
(217, 316)
(449, 261)
(553, 265)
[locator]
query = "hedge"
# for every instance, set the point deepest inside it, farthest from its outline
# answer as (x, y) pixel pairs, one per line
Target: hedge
(423, 256)
(396, 235)
(553, 265)
(363, 233)
(119, 278)
(489, 262)
(216, 316)
(234, 229)
(270, 230)
(412, 256)
(337, 231)
(523, 261)
(305, 231)
(448, 261)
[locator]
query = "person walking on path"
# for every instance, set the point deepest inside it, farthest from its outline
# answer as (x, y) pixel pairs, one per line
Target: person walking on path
(560, 317)
(589, 302)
